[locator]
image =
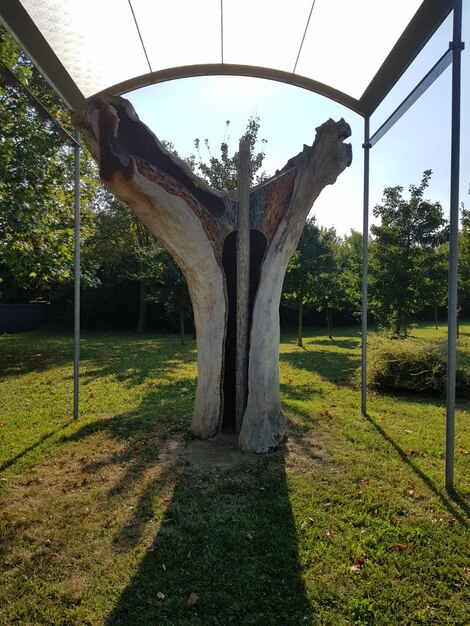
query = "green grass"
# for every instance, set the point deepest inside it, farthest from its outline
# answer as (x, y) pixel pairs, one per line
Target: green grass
(103, 521)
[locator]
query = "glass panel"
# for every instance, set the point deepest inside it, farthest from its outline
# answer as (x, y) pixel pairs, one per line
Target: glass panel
(179, 32)
(264, 33)
(96, 40)
(348, 41)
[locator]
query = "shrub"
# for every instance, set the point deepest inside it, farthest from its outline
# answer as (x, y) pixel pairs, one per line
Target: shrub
(414, 365)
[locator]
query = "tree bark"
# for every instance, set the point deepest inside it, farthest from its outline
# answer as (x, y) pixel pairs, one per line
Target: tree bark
(142, 320)
(329, 322)
(182, 325)
(194, 223)
(300, 323)
(243, 280)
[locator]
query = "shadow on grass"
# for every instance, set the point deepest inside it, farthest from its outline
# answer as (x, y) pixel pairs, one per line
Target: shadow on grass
(131, 358)
(227, 535)
(342, 343)
(225, 553)
(337, 367)
(450, 502)
(10, 462)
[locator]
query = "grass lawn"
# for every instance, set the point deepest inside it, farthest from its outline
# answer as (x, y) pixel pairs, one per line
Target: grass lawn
(108, 521)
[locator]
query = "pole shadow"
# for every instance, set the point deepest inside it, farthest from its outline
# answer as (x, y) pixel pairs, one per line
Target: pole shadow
(462, 514)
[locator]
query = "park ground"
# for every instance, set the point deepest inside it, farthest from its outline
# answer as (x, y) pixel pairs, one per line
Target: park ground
(118, 519)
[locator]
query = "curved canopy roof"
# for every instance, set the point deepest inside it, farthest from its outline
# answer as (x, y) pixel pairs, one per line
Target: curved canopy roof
(352, 51)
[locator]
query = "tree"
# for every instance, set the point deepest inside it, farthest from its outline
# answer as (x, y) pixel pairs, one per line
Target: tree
(403, 253)
(351, 272)
(298, 281)
(122, 248)
(464, 259)
(313, 276)
(196, 223)
(169, 287)
(36, 187)
(327, 280)
(221, 171)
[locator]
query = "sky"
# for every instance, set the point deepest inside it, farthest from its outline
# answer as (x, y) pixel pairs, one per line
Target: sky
(182, 110)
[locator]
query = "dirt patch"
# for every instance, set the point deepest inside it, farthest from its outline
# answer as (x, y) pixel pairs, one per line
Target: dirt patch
(220, 452)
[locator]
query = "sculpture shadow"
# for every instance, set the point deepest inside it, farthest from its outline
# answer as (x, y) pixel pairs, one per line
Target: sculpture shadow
(227, 533)
(225, 553)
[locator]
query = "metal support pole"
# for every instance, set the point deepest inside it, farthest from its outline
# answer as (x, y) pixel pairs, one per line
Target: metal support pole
(76, 281)
(365, 267)
(243, 280)
(456, 46)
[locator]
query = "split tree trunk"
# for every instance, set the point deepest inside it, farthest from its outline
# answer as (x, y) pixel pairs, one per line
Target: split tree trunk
(195, 223)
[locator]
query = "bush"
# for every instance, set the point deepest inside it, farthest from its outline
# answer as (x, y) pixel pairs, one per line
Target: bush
(414, 365)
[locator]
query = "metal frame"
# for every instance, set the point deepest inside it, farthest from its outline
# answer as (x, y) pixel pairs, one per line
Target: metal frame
(365, 266)
(429, 17)
(456, 47)
(76, 279)
(452, 55)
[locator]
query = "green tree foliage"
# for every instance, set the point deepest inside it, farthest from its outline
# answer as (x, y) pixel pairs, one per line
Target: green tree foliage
(122, 248)
(464, 260)
(37, 187)
(405, 261)
(221, 171)
(350, 249)
(314, 275)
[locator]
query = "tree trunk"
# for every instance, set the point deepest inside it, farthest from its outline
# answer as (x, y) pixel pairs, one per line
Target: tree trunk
(329, 322)
(196, 223)
(142, 321)
(243, 281)
(300, 323)
(182, 325)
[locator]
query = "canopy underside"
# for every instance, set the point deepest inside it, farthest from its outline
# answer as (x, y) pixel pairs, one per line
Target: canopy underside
(352, 51)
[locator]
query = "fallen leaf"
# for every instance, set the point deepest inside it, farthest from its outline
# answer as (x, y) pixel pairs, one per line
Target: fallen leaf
(407, 431)
(160, 595)
(33, 481)
(193, 598)
(249, 536)
(355, 569)
(164, 567)
(359, 560)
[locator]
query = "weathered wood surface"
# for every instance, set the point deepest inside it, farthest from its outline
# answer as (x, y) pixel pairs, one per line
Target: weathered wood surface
(243, 280)
(192, 221)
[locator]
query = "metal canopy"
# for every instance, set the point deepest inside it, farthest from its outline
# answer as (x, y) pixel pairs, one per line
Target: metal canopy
(352, 51)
